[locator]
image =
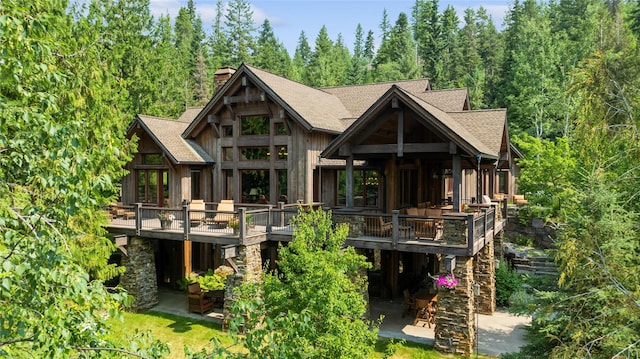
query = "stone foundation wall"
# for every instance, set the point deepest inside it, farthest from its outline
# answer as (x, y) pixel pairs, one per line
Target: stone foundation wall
(139, 278)
(455, 326)
(485, 276)
(355, 223)
(454, 231)
(249, 264)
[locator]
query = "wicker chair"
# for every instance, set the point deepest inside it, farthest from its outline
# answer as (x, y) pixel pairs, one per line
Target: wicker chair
(197, 301)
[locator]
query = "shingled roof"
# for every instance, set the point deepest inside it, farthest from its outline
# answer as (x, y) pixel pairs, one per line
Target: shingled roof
(167, 135)
(486, 125)
(313, 107)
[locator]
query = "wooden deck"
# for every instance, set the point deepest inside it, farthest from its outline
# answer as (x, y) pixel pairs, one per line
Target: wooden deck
(457, 234)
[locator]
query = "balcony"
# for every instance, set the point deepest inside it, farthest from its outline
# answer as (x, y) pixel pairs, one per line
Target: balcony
(449, 233)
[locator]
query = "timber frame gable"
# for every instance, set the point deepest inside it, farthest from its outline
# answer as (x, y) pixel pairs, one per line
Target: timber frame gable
(452, 135)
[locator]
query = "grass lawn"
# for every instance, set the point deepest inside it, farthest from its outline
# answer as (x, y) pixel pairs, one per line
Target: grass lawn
(179, 331)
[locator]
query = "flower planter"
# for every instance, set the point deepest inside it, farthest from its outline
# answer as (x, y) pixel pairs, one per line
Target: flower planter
(165, 224)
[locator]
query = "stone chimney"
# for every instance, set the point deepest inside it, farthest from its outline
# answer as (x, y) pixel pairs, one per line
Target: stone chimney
(221, 76)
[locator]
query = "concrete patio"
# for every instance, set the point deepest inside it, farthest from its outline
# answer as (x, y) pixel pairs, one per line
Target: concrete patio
(497, 334)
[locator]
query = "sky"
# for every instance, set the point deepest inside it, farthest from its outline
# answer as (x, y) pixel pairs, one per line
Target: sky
(290, 17)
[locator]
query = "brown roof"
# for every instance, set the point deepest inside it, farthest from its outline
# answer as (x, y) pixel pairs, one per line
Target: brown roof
(316, 108)
(486, 125)
(189, 114)
(167, 134)
(446, 100)
(456, 127)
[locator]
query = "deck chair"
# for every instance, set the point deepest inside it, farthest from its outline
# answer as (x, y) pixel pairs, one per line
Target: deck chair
(425, 312)
(409, 303)
(224, 213)
(196, 212)
(376, 226)
(426, 229)
(197, 301)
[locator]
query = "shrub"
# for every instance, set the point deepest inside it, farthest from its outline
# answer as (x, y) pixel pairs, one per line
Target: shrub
(508, 282)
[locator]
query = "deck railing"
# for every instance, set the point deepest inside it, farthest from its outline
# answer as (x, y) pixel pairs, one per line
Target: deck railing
(465, 231)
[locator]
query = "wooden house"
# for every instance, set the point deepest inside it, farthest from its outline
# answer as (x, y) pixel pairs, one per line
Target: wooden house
(372, 153)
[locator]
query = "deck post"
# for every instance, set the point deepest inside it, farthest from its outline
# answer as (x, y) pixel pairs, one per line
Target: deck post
(349, 182)
(395, 229)
(457, 181)
(138, 218)
(471, 238)
(242, 220)
(186, 222)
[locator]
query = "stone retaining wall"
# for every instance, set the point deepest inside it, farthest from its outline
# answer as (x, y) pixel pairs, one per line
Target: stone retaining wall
(249, 268)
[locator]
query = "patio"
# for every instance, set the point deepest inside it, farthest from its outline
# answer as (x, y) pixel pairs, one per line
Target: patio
(497, 334)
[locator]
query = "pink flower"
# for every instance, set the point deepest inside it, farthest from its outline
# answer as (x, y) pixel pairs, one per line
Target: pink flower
(448, 281)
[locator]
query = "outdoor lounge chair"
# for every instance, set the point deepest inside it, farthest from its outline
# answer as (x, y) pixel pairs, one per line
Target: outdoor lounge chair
(224, 213)
(198, 302)
(196, 212)
(425, 228)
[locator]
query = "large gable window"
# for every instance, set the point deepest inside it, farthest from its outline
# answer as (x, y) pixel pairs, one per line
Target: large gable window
(254, 125)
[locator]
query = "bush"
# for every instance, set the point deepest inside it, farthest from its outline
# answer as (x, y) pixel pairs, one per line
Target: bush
(508, 282)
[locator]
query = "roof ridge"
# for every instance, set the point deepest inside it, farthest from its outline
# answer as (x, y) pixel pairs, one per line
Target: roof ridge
(375, 83)
(159, 118)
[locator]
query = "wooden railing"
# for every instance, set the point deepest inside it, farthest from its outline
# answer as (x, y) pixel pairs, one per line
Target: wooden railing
(464, 232)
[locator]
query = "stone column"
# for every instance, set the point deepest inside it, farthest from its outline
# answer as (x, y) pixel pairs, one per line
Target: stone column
(249, 268)
(139, 278)
(455, 326)
(486, 278)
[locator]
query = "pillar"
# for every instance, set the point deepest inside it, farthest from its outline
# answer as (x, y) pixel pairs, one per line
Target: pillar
(486, 278)
(139, 279)
(455, 322)
(248, 265)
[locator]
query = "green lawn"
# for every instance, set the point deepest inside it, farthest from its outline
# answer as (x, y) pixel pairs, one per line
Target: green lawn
(179, 331)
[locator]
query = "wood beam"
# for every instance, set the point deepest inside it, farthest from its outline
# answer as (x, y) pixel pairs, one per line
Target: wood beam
(457, 182)
(400, 134)
(187, 252)
(393, 148)
(349, 182)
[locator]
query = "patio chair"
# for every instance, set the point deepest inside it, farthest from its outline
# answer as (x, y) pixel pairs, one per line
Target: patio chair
(198, 302)
(224, 213)
(376, 226)
(196, 212)
(409, 303)
(425, 312)
(426, 228)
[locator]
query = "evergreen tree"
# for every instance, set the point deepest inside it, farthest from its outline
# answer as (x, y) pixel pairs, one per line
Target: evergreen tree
(270, 54)
(474, 77)
(301, 60)
(358, 69)
(427, 31)
(450, 60)
(219, 44)
(320, 73)
(396, 59)
(239, 31)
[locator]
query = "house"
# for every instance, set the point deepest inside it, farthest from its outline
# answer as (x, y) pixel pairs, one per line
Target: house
(372, 153)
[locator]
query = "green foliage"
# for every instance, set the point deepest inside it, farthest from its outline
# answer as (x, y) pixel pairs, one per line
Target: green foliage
(57, 101)
(508, 282)
(314, 305)
(547, 170)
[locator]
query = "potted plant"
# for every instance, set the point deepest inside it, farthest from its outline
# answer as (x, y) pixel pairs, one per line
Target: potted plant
(165, 219)
(234, 223)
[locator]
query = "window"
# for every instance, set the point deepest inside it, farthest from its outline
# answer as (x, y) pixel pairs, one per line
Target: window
(366, 184)
(227, 131)
(283, 154)
(283, 186)
(254, 125)
(152, 159)
(281, 129)
(254, 184)
(149, 189)
(254, 153)
(227, 154)
(195, 184)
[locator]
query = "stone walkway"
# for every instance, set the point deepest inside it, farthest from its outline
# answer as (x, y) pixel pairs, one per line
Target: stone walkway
(497, 334)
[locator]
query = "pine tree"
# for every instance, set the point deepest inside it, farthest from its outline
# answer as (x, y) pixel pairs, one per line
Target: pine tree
(270, 54)
(301, 60)
(239, 31)
(320, 73)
